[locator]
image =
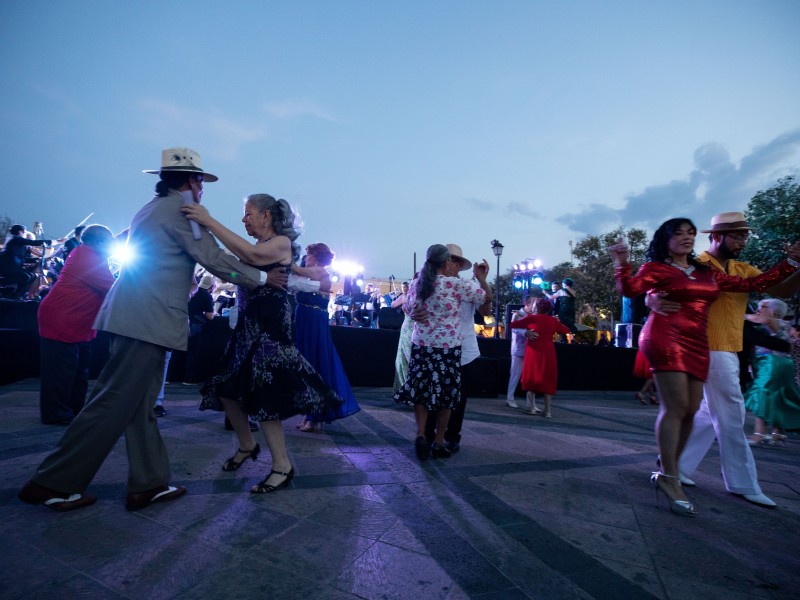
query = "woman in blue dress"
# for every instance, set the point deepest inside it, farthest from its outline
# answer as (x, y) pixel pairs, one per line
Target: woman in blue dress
(313, 337)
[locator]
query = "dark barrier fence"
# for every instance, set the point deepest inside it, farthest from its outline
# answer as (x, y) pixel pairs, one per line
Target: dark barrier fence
(367, 356)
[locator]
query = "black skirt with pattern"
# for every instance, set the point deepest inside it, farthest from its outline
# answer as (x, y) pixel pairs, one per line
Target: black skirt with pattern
(434, 378)
(262, 368)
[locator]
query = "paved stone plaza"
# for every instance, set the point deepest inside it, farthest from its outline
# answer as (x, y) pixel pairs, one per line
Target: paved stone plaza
(530, 508)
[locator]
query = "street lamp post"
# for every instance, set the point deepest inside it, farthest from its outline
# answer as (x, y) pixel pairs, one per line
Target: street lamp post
(497, 248)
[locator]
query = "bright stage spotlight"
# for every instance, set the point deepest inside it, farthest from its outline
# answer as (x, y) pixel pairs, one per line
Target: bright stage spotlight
(537, 279)
(346, 267)
(121, 253)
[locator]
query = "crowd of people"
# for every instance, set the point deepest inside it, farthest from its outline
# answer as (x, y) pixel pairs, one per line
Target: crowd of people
(281, 363)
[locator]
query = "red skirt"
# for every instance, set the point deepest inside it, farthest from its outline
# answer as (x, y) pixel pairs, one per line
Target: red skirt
(641, 368)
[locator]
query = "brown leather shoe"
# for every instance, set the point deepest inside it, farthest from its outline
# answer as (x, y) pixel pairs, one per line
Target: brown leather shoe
(164, 493)
(33, 493)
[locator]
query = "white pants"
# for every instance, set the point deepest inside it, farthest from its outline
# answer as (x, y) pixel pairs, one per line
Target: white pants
(515, 375)
(721, 415)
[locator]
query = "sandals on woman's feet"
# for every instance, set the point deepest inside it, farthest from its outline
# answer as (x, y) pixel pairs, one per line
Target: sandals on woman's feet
(265, 488)
(233, 465)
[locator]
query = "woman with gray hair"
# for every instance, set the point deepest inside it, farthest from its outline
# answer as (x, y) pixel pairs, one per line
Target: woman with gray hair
(774, 397)
(434, 371)
(262, 373)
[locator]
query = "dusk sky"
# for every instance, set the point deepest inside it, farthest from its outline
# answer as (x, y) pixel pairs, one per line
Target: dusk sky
(391, 126)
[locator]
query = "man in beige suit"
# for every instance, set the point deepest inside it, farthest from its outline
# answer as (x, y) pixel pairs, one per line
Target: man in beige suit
(146, 313)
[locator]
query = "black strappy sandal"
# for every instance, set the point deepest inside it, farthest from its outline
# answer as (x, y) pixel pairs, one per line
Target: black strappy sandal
(232, 465)
(264, 488)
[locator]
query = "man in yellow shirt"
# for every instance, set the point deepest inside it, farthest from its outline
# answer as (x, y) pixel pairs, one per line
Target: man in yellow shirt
(721, 414)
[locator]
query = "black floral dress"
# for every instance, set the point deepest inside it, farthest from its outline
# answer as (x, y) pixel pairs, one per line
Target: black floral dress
(262, 367)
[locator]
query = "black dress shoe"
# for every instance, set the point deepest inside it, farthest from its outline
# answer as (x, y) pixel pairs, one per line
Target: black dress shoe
(159, 411)
(453, 447)
(164, 493)
(33, 493)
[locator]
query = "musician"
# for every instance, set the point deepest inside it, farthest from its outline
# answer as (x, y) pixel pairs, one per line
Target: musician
(398, 302)
(369, 302)
(344, 307)
(16, 256)
(73, 242)
(363, 304)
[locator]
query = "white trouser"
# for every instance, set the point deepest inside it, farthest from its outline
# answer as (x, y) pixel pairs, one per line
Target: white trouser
(721, 415)
(514, 375)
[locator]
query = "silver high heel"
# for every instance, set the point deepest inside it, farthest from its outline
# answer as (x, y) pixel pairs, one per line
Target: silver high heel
(763, 440)
(683, 508)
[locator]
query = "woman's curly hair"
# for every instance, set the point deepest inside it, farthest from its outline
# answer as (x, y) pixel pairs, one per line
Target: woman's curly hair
(321, 252)
(284, 220)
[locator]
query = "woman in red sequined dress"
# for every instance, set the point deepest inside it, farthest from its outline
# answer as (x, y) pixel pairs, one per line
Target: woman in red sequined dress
(676, 345)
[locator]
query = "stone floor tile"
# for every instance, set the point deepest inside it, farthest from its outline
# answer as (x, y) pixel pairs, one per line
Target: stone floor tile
(319, 551)
(393, 573)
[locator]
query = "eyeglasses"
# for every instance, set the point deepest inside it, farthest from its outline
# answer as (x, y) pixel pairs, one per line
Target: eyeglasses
(738, 237)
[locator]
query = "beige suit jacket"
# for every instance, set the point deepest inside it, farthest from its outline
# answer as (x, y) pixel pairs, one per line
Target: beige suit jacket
(149, 300)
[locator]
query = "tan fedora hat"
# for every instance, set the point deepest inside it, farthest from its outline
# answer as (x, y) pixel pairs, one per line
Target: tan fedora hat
(182, 160)
(727, 221)
(456, 252)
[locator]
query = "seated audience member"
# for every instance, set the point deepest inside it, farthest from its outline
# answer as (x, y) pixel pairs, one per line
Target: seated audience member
(66, 316)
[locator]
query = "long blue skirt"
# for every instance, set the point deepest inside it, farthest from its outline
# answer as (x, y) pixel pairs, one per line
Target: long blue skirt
(313, 337)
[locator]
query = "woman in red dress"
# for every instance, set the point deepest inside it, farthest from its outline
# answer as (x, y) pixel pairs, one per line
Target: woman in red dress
(540, 368)
(676, 345)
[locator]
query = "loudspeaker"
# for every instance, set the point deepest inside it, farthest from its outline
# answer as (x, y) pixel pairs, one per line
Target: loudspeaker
(390, 318)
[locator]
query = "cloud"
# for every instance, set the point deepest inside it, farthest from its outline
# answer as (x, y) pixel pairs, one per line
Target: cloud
(223, 135)
(482, 205)
(511, 209)
(293, 108)
(715, 185)
(520, 209)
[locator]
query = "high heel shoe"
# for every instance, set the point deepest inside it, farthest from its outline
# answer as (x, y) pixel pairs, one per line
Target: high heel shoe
(309, 426)
(683, 508)
(265, 488)
(438, 451)
(233, 465)
(640, 397)
(761, 439)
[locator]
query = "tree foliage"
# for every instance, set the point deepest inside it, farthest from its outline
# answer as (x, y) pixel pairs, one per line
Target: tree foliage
(594, 272)
(774, 214)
